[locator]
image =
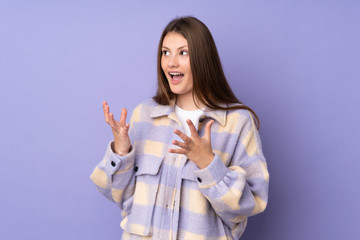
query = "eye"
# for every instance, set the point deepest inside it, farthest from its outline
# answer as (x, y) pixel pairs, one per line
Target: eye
(184, 53)
(165, 53)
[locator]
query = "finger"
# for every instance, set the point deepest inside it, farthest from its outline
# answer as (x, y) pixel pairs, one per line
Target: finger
(181, 135)
(106, 112)
(192, 128)
(112, 121)
(207, 134)
(180, 144)
(179, 151)
(123, 116)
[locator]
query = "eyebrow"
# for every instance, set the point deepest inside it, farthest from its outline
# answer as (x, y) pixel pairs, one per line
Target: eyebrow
(185, 46)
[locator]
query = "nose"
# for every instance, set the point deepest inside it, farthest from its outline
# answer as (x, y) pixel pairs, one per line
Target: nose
(173, 61)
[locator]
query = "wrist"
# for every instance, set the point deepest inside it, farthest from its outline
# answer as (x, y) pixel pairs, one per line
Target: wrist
(117, 149)
(204, 162)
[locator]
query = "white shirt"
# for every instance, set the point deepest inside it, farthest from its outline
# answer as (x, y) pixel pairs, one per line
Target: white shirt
(193, 115)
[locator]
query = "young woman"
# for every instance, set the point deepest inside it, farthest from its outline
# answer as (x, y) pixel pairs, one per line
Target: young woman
(189, 165)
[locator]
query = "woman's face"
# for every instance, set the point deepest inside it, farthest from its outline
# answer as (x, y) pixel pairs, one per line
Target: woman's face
(175, 62)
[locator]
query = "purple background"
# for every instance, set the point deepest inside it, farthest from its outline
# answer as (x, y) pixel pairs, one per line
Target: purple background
(296, 63)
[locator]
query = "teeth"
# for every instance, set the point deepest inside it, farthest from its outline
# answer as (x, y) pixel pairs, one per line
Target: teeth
(174, 74)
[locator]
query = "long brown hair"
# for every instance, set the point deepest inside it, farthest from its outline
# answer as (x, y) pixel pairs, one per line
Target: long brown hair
(209, 83)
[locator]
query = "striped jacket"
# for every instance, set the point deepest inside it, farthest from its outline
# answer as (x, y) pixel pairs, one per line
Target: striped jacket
(164, 195)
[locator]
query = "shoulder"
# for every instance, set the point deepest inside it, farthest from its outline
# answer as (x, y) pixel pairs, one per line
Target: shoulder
(240, 117)
(144, 109)
(239, 112)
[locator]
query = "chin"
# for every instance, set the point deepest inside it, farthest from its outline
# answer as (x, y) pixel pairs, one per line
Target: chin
(177, 92)
(180, 91)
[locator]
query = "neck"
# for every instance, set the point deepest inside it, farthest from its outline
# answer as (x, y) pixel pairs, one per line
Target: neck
(186, 102)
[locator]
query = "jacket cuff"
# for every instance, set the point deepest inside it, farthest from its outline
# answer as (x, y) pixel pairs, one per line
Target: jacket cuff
(115, 162)
(212, 174)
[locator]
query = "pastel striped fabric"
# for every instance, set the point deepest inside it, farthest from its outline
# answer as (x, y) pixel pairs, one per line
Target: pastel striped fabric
(166, 196)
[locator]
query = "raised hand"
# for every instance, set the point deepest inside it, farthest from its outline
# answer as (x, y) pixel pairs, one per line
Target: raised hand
(119, 129)
(197, 149)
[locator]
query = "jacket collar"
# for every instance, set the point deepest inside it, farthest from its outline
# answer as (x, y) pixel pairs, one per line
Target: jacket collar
(166, 110)
(219, 115)
(162, 110)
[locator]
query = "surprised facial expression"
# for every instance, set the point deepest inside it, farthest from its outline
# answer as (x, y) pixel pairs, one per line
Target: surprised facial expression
(175, 62)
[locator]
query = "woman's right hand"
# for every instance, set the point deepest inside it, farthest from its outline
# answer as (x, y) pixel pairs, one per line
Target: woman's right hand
(119, 129)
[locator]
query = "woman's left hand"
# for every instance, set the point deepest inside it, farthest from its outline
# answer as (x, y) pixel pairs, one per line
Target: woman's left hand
(197, 149)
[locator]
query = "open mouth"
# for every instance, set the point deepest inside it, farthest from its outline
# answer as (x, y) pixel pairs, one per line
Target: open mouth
(176, 76)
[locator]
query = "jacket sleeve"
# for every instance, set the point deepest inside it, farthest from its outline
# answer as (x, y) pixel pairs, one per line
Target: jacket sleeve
(114, 176)
(241, 189)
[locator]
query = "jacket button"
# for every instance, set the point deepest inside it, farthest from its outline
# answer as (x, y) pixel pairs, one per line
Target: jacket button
(199, 180)
(113, 163)
(136, 168)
